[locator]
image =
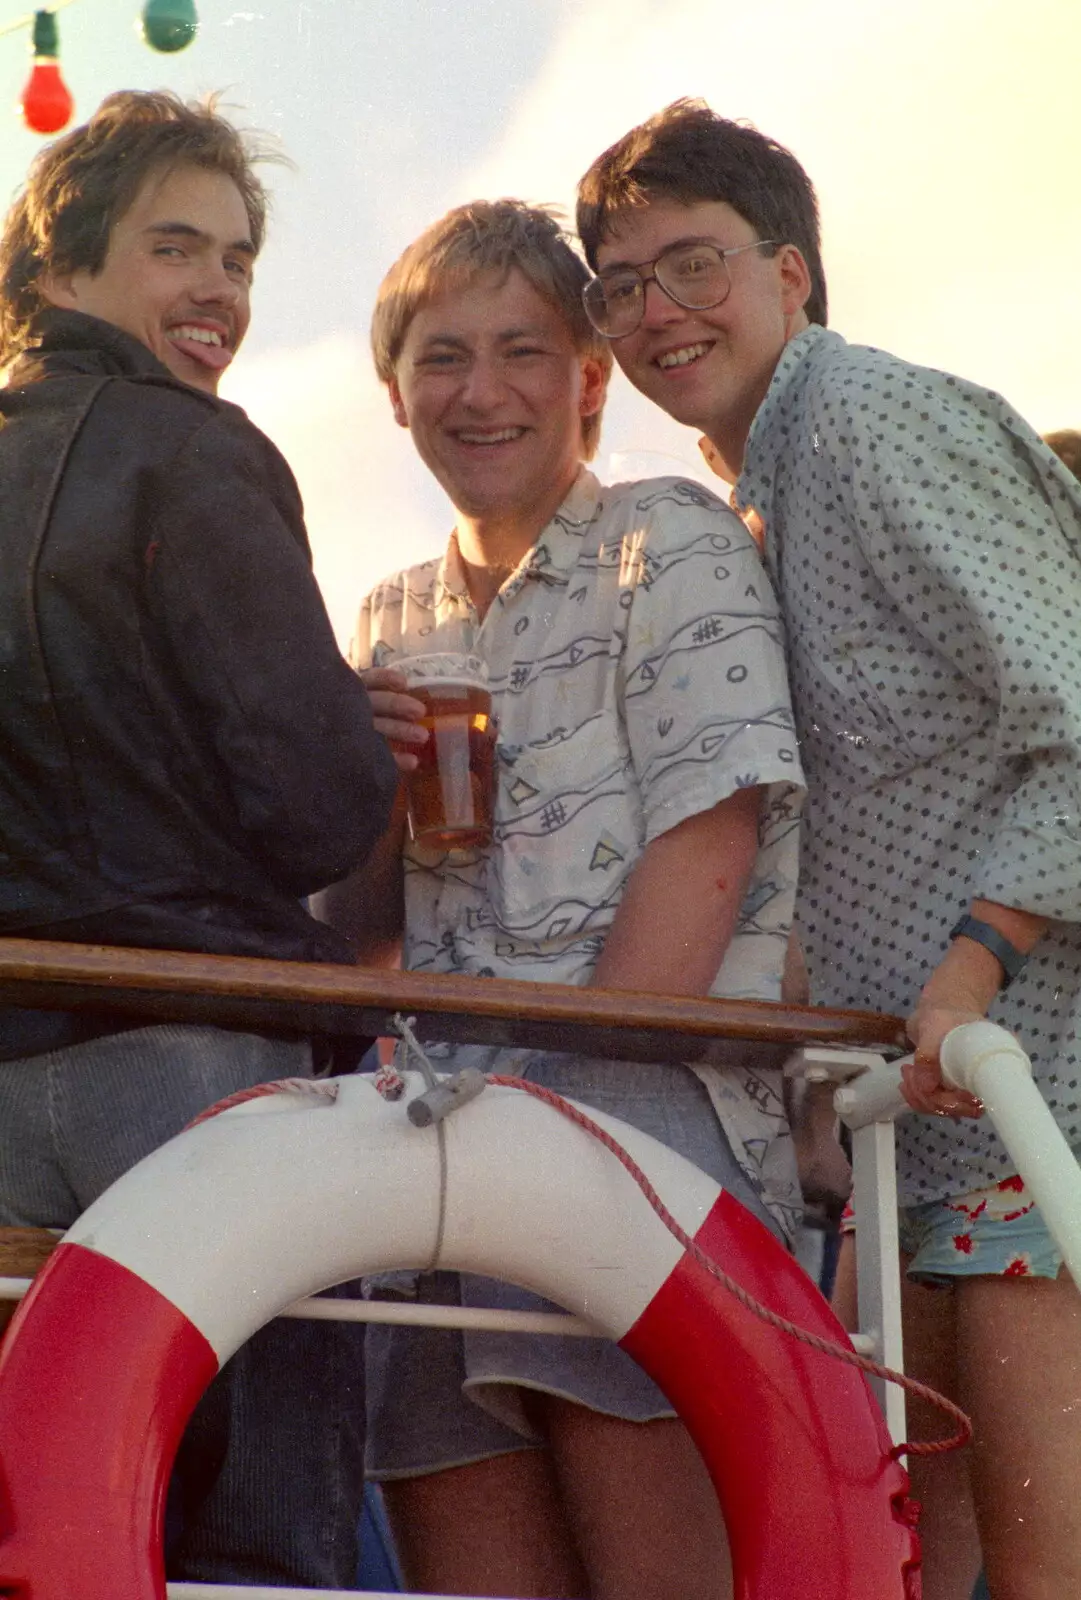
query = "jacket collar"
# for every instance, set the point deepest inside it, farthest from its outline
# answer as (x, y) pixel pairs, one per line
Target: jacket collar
(71, 341)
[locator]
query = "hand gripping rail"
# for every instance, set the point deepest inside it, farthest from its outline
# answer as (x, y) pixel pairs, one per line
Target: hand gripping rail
(987, 1061)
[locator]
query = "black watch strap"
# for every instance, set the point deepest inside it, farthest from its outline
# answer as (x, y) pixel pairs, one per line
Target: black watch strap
(1006, 954)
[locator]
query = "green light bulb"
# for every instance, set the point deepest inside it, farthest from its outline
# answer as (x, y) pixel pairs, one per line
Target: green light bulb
(169, 25)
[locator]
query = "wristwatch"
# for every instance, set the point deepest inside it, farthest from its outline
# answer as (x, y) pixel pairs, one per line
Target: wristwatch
(1006, 954)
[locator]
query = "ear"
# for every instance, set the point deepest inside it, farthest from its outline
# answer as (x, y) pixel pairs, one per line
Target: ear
(58, 288)
(594, 386)
(795, 279)
(397, 404)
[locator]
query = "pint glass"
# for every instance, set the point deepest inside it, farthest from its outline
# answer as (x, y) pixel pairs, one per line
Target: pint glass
(451, 795)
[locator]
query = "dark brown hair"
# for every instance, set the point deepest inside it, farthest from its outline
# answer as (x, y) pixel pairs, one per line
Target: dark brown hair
(1066, 443)
(488, 236)
(81, 185)
(689, 153)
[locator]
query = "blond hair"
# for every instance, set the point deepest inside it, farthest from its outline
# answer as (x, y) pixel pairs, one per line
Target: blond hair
(488, 236)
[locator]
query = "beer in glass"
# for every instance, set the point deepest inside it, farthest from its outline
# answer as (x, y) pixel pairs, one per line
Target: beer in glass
(451, 795)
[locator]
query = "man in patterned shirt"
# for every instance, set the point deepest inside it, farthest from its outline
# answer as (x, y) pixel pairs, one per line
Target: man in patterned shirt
(645, 839)
(924, 542)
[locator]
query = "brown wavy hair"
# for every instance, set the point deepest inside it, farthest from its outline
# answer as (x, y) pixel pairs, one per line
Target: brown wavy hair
(81, 185)
(1066, 443)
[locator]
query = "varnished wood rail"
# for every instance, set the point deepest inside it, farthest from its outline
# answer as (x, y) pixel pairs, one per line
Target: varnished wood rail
(23, 1252)
(294, 997)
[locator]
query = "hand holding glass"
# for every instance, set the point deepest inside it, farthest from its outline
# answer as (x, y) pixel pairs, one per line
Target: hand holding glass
(450, 795)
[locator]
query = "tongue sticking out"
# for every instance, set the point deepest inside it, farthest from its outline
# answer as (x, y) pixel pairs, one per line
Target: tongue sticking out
(217, 356)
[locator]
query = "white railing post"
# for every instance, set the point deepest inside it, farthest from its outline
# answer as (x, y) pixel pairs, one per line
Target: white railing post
(874, 1179)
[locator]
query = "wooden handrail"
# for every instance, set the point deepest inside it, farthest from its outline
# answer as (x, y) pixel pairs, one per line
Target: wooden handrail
(23, 1252)
(354, 1002)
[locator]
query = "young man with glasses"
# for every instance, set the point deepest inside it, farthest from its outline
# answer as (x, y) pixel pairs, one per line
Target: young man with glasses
(925, 545)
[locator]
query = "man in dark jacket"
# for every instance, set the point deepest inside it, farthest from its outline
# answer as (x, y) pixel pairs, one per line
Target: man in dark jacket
(184, 754)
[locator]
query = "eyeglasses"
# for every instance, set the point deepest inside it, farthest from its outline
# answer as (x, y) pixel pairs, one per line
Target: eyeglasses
(695, 276)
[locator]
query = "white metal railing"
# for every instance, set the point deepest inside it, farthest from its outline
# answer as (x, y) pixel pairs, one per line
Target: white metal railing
(989, 1062)
(474, 1318)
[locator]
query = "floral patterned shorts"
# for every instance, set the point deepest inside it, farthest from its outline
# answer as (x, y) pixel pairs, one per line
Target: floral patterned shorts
(994, 1232)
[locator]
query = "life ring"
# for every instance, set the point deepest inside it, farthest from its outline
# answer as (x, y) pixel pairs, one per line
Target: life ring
(204, 1241)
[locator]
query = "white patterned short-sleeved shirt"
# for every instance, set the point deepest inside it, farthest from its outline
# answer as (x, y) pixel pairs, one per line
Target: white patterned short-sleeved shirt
(637, 670)
(926, 546)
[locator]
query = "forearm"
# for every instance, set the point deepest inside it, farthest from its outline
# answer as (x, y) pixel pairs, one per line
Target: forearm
(960, 990)
(368, 907)
(681, 904)
(795, 979)
(968, 973)
(1022, 928)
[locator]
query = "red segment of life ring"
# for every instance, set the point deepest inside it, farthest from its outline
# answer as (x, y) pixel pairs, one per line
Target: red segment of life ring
(94, 1394)
(794, 1441)
(177, 1264)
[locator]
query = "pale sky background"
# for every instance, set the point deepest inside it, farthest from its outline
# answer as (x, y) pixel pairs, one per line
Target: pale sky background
(943, 136)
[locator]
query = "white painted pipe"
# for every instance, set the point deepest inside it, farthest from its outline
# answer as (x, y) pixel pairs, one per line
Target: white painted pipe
(478, 1319)
(874, 1096)
(411, 1313)
(987, 1061)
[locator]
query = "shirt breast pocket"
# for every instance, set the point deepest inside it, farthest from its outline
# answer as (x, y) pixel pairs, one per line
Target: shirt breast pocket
(568, 831)
(894, 700)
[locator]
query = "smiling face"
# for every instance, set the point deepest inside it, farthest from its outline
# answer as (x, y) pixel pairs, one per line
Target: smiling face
(708, 369)
(493, 390)
(177, 274)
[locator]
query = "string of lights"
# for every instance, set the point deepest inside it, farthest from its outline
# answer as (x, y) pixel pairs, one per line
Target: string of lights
(46, 101)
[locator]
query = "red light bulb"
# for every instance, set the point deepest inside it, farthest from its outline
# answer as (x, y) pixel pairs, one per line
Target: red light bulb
(46, 101)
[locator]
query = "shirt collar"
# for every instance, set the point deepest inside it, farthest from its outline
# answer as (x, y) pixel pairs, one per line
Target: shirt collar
(559, 546)
(755, 484)
(552, 559)
(754, 487)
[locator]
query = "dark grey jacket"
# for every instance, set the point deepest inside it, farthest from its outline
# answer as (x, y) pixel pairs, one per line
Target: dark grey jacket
(184, 754)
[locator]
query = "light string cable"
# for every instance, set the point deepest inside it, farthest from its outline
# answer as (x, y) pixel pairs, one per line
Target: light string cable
(27, 20)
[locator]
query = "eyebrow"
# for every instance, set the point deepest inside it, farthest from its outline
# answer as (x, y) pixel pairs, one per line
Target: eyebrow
(507, 336)
(185, 230)
(673, 244)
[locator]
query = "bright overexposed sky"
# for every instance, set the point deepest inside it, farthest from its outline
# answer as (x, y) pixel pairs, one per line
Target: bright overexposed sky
(942, 135)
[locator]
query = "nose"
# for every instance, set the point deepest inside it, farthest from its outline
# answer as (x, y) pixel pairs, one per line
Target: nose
(482, 386)
(659, 310)
(216, 285)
